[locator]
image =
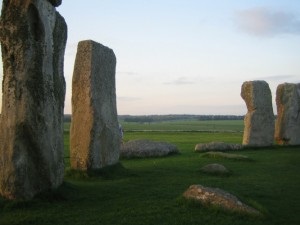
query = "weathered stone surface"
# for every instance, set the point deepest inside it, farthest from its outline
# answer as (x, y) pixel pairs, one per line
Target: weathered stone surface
(146, 148)
(95, 139)
(220, 146)
(259, 121)
(33, 38)
(287, 129)
(226, 156)
(55, 3)
(218, 197)
(215, 169)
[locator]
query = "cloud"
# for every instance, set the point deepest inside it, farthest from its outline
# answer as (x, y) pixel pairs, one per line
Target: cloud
(128, 99)
(180, 81)
(223, 109)
(127, 73)
(267, 23)
(279, 78)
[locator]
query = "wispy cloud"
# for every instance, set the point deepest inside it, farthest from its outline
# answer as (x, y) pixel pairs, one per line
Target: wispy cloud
(127, 73)
(279, 78)
(267, 23)
(181, 81)
(221, 109)
(128, 99)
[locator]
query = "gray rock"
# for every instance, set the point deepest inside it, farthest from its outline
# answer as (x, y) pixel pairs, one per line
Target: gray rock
(208, 196)
(287, 130)
(220, 146)
(215, 169)
(226, 156)
(33, 38)
(94, 133)
(146, 148)
(259, 121)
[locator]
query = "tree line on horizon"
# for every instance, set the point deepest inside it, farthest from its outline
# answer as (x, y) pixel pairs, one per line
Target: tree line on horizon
(171, 117)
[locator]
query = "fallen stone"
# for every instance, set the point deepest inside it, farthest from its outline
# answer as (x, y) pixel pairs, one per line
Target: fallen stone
(146, 148)
(33, 38)
(259, 121)
(287, 130)
(94, 132)
(220, 146)
(226, 156)
(208, 196)
(215, 169)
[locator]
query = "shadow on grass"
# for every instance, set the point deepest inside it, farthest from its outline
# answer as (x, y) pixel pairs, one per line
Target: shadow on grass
(61, 194)
(216, 173)
(67, 191)
(112, 172)
(215, 209)
(272, 147)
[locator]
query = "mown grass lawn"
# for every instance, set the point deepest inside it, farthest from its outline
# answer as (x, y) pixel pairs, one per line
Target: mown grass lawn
(148, 191)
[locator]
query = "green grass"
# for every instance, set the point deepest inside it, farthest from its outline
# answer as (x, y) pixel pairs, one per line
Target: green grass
(187, 125)
(148, 191)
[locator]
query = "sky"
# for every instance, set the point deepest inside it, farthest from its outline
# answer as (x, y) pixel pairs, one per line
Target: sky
(187, 56)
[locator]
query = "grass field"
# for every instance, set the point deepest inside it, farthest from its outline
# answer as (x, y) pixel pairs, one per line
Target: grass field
(148, 191)
(187, 125)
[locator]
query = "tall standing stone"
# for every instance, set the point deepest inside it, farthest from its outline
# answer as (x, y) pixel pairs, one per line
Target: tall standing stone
(33, 38)
(287, 129)
(95, 139)
(259, 120)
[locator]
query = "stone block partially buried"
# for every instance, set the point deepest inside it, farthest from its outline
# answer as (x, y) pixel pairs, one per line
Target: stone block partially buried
(217, 197)
(287, 129)
(259, 122)
(95, 139)
(33, 39)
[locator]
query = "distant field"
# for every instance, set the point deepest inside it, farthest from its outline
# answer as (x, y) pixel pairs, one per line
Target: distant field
(187, 125)
(184, 125)
(184, 133)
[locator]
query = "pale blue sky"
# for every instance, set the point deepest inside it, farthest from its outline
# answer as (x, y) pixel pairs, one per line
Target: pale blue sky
(188, 56)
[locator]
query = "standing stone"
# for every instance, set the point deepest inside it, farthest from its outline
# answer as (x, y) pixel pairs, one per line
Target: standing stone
(287, 130)
(33, 38)
(55, 2)
(95, 139)
(259, 120)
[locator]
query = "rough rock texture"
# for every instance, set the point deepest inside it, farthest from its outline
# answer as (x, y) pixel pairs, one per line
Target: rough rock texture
(220, 146)
(33, 38)
(218, 197)
(146, 148)
(259, 121)
(95, 139)
(215, 169)
(287, 129)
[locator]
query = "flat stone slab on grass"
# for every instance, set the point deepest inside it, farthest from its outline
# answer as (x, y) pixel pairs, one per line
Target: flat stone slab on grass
(208, 196)
(226, 156)
(220, 146)
(147, 148)
(215, 169)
